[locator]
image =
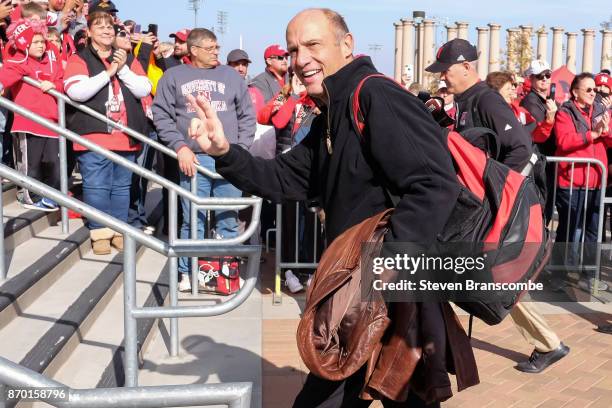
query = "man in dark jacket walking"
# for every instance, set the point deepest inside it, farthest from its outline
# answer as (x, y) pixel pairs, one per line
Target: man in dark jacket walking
(404, 149)
(481, 106)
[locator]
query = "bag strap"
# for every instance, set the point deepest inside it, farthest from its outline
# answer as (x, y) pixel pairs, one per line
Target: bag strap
(358, 121)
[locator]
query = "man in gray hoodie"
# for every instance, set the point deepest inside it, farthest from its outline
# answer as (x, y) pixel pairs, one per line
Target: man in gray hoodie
(227, 92)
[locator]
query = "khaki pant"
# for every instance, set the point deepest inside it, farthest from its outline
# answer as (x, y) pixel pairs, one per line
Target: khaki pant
(534, 328)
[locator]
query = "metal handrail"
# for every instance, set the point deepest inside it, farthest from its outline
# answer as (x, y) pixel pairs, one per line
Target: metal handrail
(236, 395)
(172, 249)
(178, 249)
(226, 203)
(129, 131)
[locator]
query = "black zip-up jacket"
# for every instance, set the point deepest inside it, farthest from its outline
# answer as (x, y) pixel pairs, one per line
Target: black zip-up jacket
(482, 104)
(404, 149)
(536, 105)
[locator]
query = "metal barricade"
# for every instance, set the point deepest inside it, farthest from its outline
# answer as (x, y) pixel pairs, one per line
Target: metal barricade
(569, 249)
(279, 264)
(594, 267)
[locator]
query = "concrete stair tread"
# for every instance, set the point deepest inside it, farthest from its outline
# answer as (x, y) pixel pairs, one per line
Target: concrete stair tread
(224, 348)
(21, 224)
(39, 316)
(84, 367)
(9, 193)
(24, 254)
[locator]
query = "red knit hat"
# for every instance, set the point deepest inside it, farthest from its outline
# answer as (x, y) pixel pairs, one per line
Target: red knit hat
(23, 31)
(22, 36)
(603, 79)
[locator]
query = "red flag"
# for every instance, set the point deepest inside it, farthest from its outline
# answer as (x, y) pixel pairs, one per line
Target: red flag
(563, 78)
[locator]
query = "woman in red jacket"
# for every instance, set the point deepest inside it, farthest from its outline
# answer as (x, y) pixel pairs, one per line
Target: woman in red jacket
(579, 135)
(36, 147)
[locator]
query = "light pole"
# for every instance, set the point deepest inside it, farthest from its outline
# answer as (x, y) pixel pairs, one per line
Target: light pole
(195, 6)
(374, 48)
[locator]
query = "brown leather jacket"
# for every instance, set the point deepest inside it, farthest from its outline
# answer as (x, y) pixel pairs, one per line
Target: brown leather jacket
(406, 346)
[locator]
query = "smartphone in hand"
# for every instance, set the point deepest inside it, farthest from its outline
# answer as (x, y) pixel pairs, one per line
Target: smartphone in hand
(153, 29)
(553, 90)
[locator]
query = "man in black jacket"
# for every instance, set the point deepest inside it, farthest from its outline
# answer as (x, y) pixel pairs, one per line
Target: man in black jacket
(480, 106)
(403, 149)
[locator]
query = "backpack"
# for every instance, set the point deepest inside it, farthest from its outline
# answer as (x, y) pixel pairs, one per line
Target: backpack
(498, 207)
(220, 275)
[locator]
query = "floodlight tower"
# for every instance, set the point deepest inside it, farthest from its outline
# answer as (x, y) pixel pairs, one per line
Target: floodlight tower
(195, 6)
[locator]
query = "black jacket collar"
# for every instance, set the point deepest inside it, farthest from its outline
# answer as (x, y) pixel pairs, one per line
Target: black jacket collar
(341, 84)
(478, 87)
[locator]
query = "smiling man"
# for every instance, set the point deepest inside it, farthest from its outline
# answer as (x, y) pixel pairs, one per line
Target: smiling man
(403, 149)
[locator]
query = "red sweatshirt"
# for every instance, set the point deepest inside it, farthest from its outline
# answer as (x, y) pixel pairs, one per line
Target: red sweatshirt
(572, 143)
(31, 97)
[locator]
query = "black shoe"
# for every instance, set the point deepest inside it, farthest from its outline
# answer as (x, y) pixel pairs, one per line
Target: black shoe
(604, 328)
(538, 362)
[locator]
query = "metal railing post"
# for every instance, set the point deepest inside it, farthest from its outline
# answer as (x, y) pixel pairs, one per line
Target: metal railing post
(277, 298)
(2, 253)
(173, 272)
(193, 214)
(63, 161)
(130, 360)
(3, 395)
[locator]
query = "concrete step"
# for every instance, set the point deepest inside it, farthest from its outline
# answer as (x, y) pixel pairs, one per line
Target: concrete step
(82, 363)
(226, 348)
(9, 193)
(35, 264)
(21, 224)
(51, 309)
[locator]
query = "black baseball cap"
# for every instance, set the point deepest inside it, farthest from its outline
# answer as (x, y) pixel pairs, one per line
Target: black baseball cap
(106, 6)
(237, 55)
(453, 52)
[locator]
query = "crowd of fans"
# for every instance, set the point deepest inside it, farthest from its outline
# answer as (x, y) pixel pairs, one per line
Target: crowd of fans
(123, 71)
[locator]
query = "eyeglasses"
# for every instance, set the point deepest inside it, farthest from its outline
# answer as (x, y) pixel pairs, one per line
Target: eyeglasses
(541, 77)
(209, 49)
(279, 57)
(588, 90)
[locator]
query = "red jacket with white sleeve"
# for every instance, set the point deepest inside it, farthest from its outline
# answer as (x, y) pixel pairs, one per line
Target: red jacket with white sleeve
(16, 66)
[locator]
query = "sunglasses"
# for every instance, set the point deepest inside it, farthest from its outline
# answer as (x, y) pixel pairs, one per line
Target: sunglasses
(588, 90)
(279, 57)
(123, 34)
(543, 76)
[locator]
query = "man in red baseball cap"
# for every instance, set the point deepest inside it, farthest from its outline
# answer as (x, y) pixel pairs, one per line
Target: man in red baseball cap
(180, 50)
(271, 81)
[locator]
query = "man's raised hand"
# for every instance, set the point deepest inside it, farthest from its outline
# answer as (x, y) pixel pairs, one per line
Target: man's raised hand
(207, 129)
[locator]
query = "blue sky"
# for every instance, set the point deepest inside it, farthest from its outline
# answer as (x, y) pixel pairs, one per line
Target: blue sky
(263, 22)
